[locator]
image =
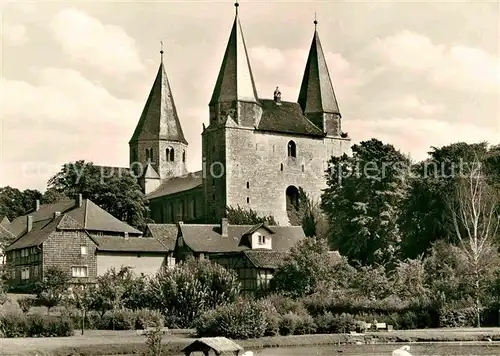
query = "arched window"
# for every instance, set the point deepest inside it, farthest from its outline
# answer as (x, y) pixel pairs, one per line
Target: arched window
(148, 158)
(151, 154)
(183, 156)
(292, 149)
(292, 197)
(170, 154)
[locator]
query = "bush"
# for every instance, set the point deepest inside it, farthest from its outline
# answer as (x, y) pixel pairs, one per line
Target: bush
(305, 325)
(273, 319)
(13, 324)
(242, 319)
(457, 318)
(25, 303)
(289, 323)
(18, 325)
(344, 323)
(145, 318)
(121, 319)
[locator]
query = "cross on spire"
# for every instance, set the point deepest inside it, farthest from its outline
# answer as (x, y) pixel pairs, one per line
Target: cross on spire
(315, 21)
(236, 4)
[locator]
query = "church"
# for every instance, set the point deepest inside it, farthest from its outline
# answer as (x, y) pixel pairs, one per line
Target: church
(256, 152)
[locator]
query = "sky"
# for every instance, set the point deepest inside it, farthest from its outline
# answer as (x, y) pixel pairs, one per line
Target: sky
(75, 75)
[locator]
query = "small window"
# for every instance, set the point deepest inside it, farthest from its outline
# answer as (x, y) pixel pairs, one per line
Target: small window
(183, 156)
(248, 200)
(79, 271)
(25, 273)
(262, 240)
(248, 185)
(84, 250)
(303, 168)
(148, 158)
(292, 149)
(170, 155)
(281, 167)
(151, 154)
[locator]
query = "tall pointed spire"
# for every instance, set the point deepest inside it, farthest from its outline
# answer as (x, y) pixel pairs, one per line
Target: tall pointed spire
(235, 81)
(316, 92)
(159, 119)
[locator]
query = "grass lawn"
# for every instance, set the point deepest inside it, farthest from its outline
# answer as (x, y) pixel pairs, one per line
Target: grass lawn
(96, 342)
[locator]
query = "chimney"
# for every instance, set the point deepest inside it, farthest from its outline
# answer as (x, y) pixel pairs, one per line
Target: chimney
(224, 225)
(78, 200)
(37, 206)
(56, 214)
(29, 223)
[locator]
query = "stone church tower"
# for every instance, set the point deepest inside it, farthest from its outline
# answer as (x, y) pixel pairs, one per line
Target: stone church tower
(158, 147)
(257, 153)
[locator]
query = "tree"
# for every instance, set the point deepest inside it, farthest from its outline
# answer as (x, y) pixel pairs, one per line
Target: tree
(52, 196)
(424, 217)
(476, 221)
(83, 298)
(239, 216)
(308, 214)
(308, 265)
(14, 203)
(363, 202)
(117, 192)
(52, 289)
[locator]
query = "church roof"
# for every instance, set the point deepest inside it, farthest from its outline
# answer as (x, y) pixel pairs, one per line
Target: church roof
(235, 81)
(150, 173)
(159, 119)
(286, 118)
(177, 185)
(316, 92)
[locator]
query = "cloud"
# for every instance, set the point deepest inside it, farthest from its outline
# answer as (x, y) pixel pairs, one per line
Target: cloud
(85, 39)
(60, 117)
(455, 67)
(285, 68)
(14, 34)
(410, 104)
(416, 136)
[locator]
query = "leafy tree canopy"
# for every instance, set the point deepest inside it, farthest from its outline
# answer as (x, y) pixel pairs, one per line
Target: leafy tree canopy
(115, 191)
(239, 216)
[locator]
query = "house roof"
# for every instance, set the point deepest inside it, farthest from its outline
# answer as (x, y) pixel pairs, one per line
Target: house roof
(219, 344)
(165, 233)
(286, 118)
(130, 244)
(265, 258)
(88, 217)
(40, 231)
(208, 238)
(159, 119)
(316, 91)
(177, 184)
(235, 80)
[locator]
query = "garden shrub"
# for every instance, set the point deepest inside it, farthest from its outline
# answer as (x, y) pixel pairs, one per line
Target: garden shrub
(289, 323)
(242, 319)
(344, 323)
(13, 324)
(121, 319)
(305, 325)
(145, 318)
(25, 303)
(273, 318)
(457, 317)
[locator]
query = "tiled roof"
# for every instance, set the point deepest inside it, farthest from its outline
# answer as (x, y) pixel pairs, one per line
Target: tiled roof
(266, 258)
(208, 238)
(40, 231)
(130, 244)
(177, 184)
(286, 118)
(46, 212)
(88, 216)
(316, 91)
(165, 233)
(4, 221)
(159, 119)
(94, 218)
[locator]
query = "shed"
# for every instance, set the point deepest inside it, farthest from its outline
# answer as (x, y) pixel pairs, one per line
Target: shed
(218, 345)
